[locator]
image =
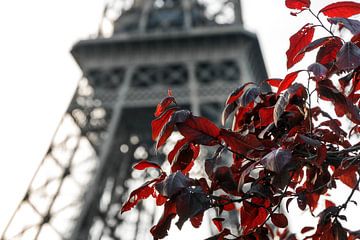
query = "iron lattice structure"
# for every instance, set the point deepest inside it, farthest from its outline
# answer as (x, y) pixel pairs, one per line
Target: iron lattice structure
(198, 49)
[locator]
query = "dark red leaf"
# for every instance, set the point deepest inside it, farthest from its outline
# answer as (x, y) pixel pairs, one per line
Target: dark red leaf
(177, 117)
(316, 43)
(190, 203)
(298, 41)
(239, 143)
(348, 57)
(288, 201)
(160, 230)
(306, 229)
(218, 223)
(277, 160)
(318, 70)
(199, 130)
(347, 175)
(283, 101)
(343, 9)
(297, 4)
(158, 123)
(334, 125)
(288, 80)
(220, 236)
(183, 159)
(327, 53)
(279, 220)
(144, 164)
(356, 39)
(251, 215)
(173, 184)
(343, 106)
(351, 24)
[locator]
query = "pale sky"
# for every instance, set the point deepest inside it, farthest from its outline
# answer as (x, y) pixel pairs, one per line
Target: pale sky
(38, 75)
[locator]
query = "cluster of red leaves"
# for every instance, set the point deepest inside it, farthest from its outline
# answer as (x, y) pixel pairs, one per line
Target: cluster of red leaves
(277, 151)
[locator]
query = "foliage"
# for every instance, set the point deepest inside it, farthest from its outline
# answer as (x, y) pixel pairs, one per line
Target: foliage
(283, 147)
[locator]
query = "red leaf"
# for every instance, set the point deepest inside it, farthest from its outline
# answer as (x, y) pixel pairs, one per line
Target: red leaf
(329, 203)
(266, 116)
(144, 164)
(274, 82)
(160, 200)
(179, 144)
(199, 130)
(348, 57)
(252, 216)
(197, 220)
(177, 117)
(351, 24)
(279, 220)
(341, 9)
(160, 108)
(276, 160)
(160, 230)
(297, 4)
(158, 123)
(142, 192)
(327, 53)
(347, 175)
(298, 41)
(218, 223)
(288, 80)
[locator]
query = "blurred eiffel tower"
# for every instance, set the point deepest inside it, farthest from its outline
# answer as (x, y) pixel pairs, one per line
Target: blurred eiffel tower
(199, 49)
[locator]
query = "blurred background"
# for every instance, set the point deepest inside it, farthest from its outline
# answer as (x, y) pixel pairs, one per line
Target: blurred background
(39, 78)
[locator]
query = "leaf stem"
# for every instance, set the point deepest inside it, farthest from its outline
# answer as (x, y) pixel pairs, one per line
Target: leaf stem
(321, 23)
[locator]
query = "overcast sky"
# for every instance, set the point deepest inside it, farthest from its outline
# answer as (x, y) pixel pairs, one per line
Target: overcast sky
(38, 76)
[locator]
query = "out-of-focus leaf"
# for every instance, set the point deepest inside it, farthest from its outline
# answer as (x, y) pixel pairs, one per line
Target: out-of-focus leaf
(276, 160)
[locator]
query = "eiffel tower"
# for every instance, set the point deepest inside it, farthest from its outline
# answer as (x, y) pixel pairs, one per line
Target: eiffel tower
(199, 49)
